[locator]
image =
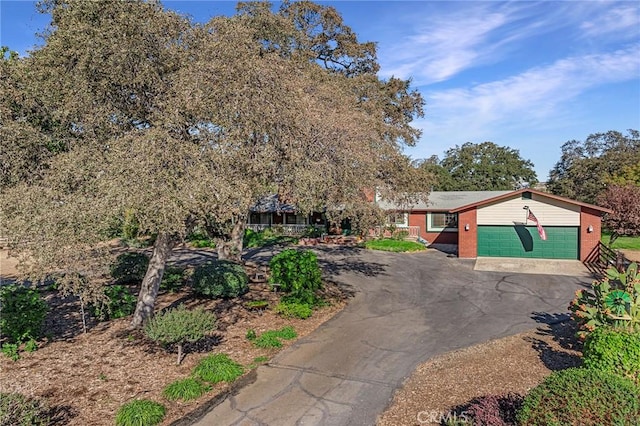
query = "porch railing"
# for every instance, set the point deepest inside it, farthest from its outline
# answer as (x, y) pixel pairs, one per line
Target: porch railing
(384, 231)
(284, 229)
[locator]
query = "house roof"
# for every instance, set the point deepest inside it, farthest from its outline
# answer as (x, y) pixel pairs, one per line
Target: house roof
(512, 194)
(445, 200)
(455, 201)
(272, 204)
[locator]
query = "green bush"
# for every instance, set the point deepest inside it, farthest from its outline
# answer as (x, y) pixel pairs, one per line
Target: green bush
(221, 279)
(271, 338)
(180, 326)
(217, 368)
(297, 273)
(141, 412)
(185, 390)
(118, 303)
(22, 312)
(16, 409)
(582, 396)
(173, 279)
(11, 351)
(293, 309)
(615, 351)
(130, 267)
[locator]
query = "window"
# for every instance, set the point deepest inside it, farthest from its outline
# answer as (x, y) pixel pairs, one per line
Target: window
(442, 222)
(398, 219)
(295, 219)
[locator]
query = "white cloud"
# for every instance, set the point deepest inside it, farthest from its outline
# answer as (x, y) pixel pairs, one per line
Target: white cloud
(622, 20)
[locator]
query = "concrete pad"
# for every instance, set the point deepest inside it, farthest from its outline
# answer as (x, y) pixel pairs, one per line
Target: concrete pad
(571, 268)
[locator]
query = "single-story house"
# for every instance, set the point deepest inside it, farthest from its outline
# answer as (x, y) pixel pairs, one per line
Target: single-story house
(503, 223)
(271, 212)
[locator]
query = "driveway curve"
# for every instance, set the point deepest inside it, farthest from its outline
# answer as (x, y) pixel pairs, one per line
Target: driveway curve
(406, 309)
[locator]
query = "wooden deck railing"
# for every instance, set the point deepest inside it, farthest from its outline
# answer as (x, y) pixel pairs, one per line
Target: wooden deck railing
(292, 230)
(413, 232)
(602, 258)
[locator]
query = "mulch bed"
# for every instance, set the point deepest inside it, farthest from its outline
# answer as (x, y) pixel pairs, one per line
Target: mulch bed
(85, 378)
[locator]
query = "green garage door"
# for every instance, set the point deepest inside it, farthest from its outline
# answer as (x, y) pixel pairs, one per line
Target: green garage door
(524, 241)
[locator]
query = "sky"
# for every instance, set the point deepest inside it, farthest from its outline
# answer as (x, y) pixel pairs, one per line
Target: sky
(525, 75)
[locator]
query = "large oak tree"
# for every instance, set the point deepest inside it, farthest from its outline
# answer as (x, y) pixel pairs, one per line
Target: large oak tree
(188, 125)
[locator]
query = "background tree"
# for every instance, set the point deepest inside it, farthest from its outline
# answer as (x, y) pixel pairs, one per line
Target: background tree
(625, 203)
(188, 125)
(480, 167)
(586, 167)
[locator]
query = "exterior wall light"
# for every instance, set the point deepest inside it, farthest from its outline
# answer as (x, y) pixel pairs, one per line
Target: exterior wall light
(590, 228)
(466, 227)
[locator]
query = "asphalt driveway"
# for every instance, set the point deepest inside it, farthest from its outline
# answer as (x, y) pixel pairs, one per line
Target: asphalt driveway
(406, 308)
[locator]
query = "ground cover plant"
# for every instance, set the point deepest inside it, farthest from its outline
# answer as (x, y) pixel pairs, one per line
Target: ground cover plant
(272, 338)
(217, 368)
(266, 237)
(140, 412)
(185, 389)
(393, 245)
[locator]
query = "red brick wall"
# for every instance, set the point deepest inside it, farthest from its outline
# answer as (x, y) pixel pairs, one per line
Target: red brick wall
(468, 240)
(589, 240)
(420, 219)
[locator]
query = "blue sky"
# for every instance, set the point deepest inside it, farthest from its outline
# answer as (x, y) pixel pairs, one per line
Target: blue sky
(528, 75)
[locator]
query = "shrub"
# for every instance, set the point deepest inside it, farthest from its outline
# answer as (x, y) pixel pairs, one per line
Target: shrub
(293, 309)
(11, 350)
(118, 303)
(173, 279)
(297, 273)
(582, 396)
(217, 368)
(494, 410)
(17, 409)
(614, 302)
(221, 279)
(615, 351)
(271, 338)
(130, 267)
(22, 312)
(185, 390)
(140, 412)
(180, 326)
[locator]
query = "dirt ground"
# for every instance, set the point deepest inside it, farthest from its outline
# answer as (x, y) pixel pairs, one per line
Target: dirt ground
(442, 386)
(85, 378)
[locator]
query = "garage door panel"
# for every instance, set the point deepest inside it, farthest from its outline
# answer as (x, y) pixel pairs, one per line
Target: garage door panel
(524, 241)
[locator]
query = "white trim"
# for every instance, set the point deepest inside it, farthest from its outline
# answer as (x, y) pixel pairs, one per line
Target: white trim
(431, 228)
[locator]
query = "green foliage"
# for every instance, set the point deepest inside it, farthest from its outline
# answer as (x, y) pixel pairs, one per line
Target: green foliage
(394, 245)
(11, 350)
(180, 325)
(31, 346)
(272, 338)
(293, 309)
(622, 242)
(221, 279)
(257, 304)
(251, 334)
(297, 273)
(23, 312)
(141, 412)
(18, 410)
(614, 302)
(582, 396)
(615, 351)
(130, 225)
(186, 389)
(217, 368)
(586, 167)
(118, 303)
(173, 279)
(480, 167)
(130, 267)
(266, 237)
(201, 240)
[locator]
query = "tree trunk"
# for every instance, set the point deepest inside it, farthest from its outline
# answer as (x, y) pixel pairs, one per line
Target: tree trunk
(232, 249)
(151, 282)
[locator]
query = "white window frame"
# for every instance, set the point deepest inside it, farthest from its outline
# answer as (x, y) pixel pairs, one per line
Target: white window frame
(432, 228)
(397, 215)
